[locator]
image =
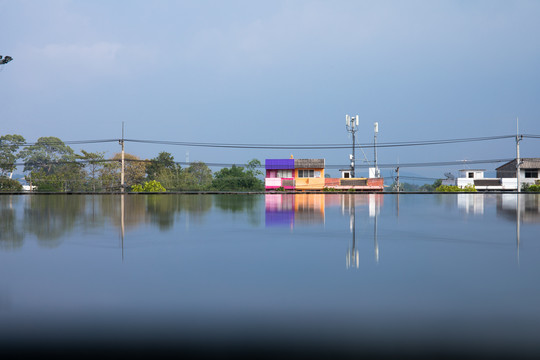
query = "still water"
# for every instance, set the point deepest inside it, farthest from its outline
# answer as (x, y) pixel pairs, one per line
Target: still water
(322, 273)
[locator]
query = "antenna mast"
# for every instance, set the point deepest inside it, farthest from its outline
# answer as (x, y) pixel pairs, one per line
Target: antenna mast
(351, 124)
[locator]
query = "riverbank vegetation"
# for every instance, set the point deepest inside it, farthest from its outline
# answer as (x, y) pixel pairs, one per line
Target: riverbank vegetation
(50, 165)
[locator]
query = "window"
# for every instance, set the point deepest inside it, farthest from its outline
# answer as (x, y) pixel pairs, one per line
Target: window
(306, 173)
(533, 173)
(471, 175)
(284, 174)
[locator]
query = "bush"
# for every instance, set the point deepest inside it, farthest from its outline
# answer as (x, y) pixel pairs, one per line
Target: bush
(534, 188)
(9, 185)
(453, 188)
(148, 186)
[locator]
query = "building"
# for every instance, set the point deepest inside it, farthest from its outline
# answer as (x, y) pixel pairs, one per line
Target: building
(308, 175)
(506, 179)
(529, 169)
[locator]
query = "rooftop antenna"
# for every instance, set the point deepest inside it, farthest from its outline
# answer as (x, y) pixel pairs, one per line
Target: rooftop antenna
(351, 124)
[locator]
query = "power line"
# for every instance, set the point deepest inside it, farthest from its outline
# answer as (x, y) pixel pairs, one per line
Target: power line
(281, 146)
(327, 166)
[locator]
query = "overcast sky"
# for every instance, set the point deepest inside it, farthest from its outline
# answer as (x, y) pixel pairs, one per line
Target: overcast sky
(274, 72)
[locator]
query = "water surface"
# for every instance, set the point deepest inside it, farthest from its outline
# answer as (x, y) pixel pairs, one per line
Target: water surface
(319, 274)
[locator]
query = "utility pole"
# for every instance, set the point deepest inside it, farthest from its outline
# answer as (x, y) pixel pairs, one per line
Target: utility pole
(397, 179)
(376, 125)
(351, 124)
(123, 165)
(518, 160)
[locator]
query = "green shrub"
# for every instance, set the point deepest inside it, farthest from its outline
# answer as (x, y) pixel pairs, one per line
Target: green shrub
(534, 188)
(453, 188)
(9, 185)
(148, 186)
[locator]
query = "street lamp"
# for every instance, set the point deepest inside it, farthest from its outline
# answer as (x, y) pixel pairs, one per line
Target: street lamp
(351, 123)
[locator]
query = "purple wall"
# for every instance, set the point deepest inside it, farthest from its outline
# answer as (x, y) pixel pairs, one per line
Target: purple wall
(279, 164)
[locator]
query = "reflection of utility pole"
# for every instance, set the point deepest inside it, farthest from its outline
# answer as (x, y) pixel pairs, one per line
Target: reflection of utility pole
(376, 244)
(352, 259)
(122, 215)
(518, 221)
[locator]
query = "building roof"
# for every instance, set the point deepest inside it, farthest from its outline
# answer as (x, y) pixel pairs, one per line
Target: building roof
(279, 164)
(309, 163)
(526, 163)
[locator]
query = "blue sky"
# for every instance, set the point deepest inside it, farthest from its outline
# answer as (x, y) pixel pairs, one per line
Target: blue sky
(274, 72)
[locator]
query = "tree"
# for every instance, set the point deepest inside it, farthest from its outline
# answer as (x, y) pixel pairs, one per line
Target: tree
(47, 154)
(52, 166)
(201, 175)
(9, 145)
(253, 167)
(236, 178)
(163, 161)
(432, 187)
(94, 162)
(134, 171)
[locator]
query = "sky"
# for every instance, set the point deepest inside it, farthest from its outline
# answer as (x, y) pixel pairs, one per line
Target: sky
(275, 72)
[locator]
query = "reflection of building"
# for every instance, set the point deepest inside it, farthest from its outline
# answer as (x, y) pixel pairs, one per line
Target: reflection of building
(471, 203)
(528, 205)
(288, 209)
(308, 174)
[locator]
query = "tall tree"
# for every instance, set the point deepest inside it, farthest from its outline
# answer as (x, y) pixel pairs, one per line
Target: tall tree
(201, 174)
(9, 146)
(134, 172)
(93, 163)
(163, 161)
(47, 154)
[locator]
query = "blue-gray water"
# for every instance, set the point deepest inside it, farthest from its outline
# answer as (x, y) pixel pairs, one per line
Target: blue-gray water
(304, 275)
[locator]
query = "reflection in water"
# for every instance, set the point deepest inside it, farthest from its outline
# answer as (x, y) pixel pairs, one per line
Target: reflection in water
(299, 209)
(288, 209)
(527, 204)
(374, 202)
(471, 203)
(240, 203)
(519, 208)
(11, 235)
(50, 217)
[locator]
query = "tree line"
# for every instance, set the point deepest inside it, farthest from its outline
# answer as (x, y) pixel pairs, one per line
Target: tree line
(50, 165)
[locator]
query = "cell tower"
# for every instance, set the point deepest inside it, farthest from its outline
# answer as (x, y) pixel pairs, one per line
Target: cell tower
(351, 123)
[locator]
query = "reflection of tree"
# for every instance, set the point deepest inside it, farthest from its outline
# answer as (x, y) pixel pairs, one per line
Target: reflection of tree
(162, 209)
(240, 203)
(134, 205)
(49, 217)
(10, 236)
(196, 205)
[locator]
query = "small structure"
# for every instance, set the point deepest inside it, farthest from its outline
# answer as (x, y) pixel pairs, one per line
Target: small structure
(308, 175)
